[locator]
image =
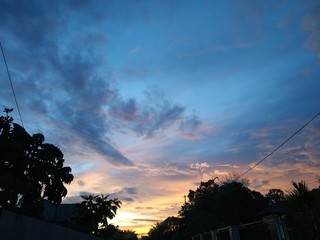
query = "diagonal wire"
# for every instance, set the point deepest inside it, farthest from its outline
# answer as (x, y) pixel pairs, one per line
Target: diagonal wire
(14, 94)
(287, 140)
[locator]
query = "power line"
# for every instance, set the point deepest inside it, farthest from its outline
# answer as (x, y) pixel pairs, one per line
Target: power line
(287, 140)
(14, 94)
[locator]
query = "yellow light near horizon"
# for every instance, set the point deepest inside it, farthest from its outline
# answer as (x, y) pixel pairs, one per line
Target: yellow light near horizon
(123, 217)
(125, 222)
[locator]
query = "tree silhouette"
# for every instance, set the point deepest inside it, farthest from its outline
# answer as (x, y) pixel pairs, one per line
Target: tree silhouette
(214, 205)
(112, 232)
(30, 170)
(304, 217)
(168, 229)
(100, 209)
(300, 190)
(275, 195)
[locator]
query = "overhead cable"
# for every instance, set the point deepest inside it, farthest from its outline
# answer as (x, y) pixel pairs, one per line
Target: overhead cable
(283, 143)
(13, 92)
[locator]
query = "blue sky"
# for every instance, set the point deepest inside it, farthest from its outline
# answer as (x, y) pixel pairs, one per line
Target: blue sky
(148, 98)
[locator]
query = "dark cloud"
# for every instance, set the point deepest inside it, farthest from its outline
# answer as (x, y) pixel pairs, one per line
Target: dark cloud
(130, 190)
(73, 199)
(77, 4)
(148, 208)
(62, 76)
(153, 116)
(145, 220)
(78, 198)
(257, 184)
(29, 20)
(157, 119)
(127, 199)
(82, 193)
(312, 25)
(190, 125)
(69, 89)
(81, 183)
(127, 194)
(124, 110)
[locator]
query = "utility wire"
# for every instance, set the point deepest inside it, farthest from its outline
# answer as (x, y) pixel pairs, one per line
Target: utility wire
(14, 94)
(287, 140)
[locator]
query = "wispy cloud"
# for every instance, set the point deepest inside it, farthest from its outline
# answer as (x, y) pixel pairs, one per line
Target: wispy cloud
(154, 115)
(311, 24)
(135, 50)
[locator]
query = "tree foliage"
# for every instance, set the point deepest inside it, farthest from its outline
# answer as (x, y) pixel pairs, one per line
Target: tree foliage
(303, 220)
(275, 195)
(299, 190)
(100, 209)
(168, 229)
(112, 232)
(301, 197)
(211, 206)
(30, 169)
(216, 205)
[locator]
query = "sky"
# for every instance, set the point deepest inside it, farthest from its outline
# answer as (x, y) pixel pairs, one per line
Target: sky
(146, 99)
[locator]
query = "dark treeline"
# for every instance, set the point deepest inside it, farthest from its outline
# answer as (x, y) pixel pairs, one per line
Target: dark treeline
(216, 205)
(33, 176)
